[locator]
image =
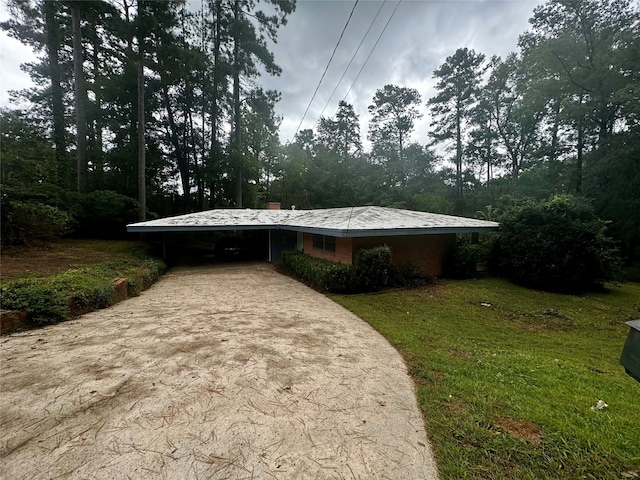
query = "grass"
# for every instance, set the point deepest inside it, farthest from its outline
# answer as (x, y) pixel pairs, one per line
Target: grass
(506, 377)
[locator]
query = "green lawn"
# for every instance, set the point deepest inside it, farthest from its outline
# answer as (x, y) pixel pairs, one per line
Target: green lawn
(507, 377)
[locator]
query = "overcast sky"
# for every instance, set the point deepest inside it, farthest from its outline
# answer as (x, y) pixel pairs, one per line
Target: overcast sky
(419, 37)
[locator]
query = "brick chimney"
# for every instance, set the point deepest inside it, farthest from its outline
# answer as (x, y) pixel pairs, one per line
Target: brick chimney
(273, 206)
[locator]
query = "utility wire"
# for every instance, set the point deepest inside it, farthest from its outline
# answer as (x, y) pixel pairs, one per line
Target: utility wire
(371, 52)
(351, 61)
(326, 68)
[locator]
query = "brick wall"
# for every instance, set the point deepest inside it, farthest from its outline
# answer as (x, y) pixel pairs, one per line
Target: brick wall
(343, 253)
(120, 290)
(427, 252)
(12, 321)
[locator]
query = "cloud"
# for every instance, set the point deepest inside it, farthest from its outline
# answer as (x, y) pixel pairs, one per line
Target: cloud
(419, 37)
(417, 40)
(12, 55)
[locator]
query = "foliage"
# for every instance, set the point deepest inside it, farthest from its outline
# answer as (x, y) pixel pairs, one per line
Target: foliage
(373, 268)
(462, 259)
(458, 88)
(44, 302)
(24, 222)
(613, 181)
(50, 299)
(507, 377)
(27, 157)
(102, 214)
(341, 134)
(371, 272)
(559, 115)
(556, 245)
(190, 61)
(393, 114)
(334, 277)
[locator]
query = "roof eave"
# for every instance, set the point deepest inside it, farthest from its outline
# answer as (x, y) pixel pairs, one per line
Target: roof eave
(336, 232)
(133, 228)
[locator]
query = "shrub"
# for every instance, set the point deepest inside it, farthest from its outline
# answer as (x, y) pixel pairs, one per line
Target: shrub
(407, 275)
(25, 221)
(372, 268)
(334, 277)
(468, 252)
(44, 303)
(47, 300)
(462, 259)
(103, 213)
(557, 245)
(341, 278)
(371, 271)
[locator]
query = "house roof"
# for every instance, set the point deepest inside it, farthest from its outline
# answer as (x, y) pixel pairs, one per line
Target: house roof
(336, 222)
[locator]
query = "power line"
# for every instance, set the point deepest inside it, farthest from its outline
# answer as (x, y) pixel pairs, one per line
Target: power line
(351, 61)
(371, 52)
(326, 68)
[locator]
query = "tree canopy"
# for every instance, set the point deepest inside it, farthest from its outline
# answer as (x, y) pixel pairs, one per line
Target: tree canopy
(165, 106)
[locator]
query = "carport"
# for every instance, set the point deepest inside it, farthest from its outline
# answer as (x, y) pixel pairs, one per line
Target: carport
(262, 226)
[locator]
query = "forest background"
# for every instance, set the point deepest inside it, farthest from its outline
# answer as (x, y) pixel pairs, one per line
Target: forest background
(143, 109)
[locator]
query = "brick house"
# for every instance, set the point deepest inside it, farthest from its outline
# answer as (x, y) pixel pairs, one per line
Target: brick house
(419, 238)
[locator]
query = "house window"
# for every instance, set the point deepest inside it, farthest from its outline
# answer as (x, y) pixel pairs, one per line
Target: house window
(323, 242)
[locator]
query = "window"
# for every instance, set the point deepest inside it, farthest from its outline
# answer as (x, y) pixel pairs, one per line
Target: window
(323, 242)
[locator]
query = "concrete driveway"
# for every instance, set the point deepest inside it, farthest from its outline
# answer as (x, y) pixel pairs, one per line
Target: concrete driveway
(220, 372)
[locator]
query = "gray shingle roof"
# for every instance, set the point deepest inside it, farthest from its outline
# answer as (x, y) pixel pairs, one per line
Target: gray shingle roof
(338, 222)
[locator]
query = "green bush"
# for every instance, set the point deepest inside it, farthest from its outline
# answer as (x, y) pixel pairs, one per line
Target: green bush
(45, 303)
(25, 221)
(407, 275)
(151, 271)
(334, 277)
(372, 268)
(557, 245)
(47, 300)
(341, 278)
(462, 259)
(103, 213)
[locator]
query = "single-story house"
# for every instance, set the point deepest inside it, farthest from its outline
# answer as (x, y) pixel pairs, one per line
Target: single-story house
(418, 238)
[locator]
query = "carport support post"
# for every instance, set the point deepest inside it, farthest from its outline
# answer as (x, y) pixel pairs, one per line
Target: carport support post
(164, 246)
(269, 255)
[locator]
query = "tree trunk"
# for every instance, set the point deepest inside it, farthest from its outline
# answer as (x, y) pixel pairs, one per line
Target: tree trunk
(459, 155)
(182, 160)
(52, 31)
(515, 171)
(81, 101)
(142, 185)
(487, 159)
(555, 139)
(95, 151)
(400, 163)
(237, 142)
(579, 155)
(215, 149)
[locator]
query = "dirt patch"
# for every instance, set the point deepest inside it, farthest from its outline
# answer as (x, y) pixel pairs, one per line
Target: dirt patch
(522, 429)
(214, 372)
(53, 258)
(547, 321)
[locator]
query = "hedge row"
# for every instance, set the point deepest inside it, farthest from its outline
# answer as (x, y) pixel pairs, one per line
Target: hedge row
(371, 272)
(47, 300)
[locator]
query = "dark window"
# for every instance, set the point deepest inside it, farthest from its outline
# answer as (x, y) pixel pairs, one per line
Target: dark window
(323, 242)
(330, 244)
